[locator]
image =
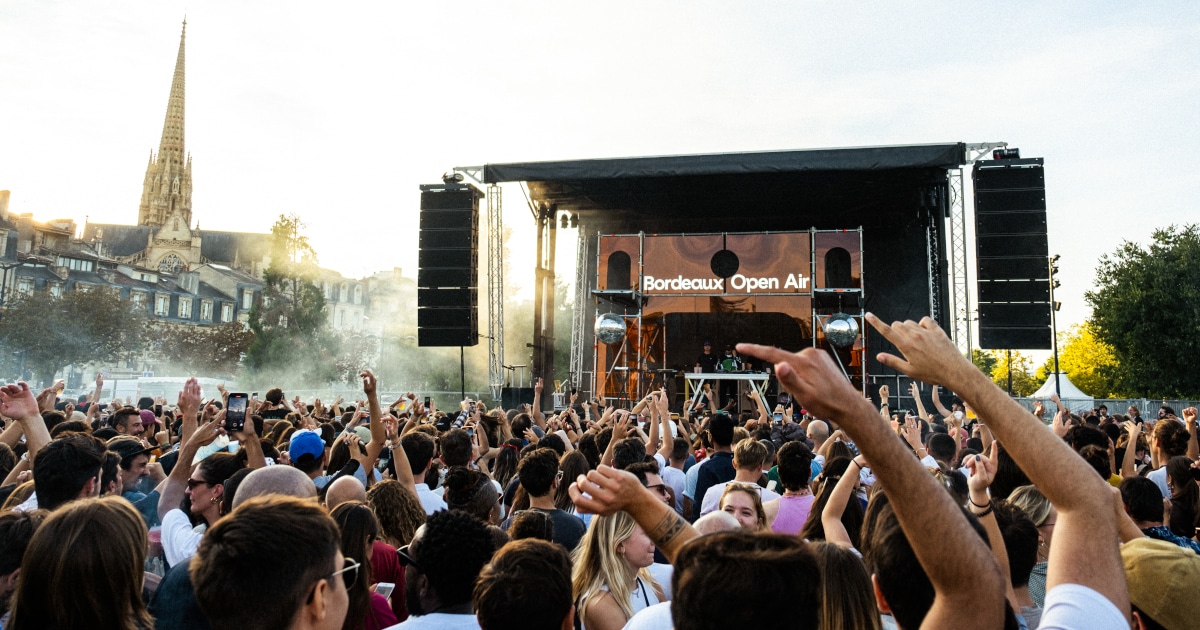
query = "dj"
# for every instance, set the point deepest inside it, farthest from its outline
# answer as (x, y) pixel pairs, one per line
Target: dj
(707, 361)
(729, 363)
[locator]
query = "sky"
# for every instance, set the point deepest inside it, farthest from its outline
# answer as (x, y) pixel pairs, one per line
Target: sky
(338, 112)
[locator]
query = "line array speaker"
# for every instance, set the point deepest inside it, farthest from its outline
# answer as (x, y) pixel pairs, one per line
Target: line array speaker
(447, 266)
(1011, 254)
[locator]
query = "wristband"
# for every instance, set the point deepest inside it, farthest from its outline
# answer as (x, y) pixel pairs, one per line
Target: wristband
(990, 506)
(974, 504)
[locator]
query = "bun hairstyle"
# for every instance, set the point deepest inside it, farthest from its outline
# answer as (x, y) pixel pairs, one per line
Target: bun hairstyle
(470, 491)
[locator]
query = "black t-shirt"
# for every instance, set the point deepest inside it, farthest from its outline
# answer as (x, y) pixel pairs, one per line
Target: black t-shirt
(568, 528)
(708, 362)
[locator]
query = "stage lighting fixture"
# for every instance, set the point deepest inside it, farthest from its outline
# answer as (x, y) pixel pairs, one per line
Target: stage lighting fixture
(564, 221)
(452, 177)
(1006, 154)
(574, 220)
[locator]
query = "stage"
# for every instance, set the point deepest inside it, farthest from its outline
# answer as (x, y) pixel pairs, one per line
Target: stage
(650, 229)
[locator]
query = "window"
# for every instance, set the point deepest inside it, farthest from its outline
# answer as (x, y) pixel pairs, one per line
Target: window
(358, 294)
(344, 295)
(341, 318)
(56, 290)
(185, 308)
(328, 290)
(138, 298)
(206, 310)
(162, 305)
(226, 313)
(75, 264)
(247, 299)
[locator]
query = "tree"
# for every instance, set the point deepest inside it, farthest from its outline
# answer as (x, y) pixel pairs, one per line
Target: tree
(1088, 362)
(1145, 306)
(984, 361)
(214, 350)
(291, 336)
(51, 332)
(1023, 383)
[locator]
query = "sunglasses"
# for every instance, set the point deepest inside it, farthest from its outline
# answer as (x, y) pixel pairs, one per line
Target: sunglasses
(192, 483)
(349, 572)
(406, 558)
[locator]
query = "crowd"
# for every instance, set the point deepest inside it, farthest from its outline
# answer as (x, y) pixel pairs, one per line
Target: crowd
(831, 511)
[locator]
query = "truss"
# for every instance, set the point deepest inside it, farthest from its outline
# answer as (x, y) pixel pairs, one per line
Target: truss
(579, 319)
(495, 241)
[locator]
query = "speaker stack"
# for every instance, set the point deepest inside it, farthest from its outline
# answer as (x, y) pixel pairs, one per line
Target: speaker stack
(1011, 253)
(447, 270)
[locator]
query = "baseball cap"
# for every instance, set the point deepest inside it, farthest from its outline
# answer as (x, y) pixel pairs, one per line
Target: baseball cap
(127, 447)
(708, 343)
(306, 442)
(1162, 578)
(148, 417)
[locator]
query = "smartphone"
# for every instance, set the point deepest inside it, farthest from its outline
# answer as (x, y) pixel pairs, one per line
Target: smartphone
(235, 413)
(254, 396)
(158, 410)
(778, 417)
(426, 402)
(471, 407)
(385, 589)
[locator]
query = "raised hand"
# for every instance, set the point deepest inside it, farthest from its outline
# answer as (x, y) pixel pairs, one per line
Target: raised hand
(812, 378)
(983, 470)
(604, 491)
(189, 399)
(370, 383)
(17, 402)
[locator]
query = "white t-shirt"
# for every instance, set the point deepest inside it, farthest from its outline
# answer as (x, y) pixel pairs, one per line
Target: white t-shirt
(712, 498)
(430, 501)
(179, 538)
(656, 617)
(438, 620)
(1159, 477)
(674, 478)
(1070, 606)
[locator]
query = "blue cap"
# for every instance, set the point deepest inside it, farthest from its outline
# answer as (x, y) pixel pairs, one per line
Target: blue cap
(305, 442)
(708, 343)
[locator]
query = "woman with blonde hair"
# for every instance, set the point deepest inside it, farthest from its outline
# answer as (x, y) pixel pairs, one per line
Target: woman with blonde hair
(399, 512)
(84, 569)
(610, 578)
(743, 501)
(1037, 507)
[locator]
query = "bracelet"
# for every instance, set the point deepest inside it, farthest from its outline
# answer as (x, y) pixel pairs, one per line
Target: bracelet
(990, 506)
(974, 504)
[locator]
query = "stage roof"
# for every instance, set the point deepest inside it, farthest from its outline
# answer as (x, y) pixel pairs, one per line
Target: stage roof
(765, 162)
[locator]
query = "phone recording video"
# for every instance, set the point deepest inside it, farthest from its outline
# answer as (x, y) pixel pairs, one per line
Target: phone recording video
(235, 412)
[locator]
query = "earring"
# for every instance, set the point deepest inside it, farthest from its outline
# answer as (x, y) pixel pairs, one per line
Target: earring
(214, 500)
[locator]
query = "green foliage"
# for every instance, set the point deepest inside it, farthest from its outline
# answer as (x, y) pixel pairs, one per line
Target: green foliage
(1023, 383)
(189, 349)
(1146, 306)
(1088, 362)
(78, 327)
(984, 361)
(291, 337)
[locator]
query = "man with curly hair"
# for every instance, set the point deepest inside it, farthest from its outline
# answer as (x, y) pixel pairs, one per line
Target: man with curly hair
(443, 560)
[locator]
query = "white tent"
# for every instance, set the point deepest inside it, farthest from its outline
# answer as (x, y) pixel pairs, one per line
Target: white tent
(1072, 397)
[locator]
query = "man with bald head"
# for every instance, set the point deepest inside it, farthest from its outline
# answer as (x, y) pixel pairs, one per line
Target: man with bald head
(818, 433)
(344, 489)
(174, 604)
(284, 480)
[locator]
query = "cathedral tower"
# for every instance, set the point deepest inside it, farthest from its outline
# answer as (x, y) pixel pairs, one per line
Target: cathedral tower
(167, 187)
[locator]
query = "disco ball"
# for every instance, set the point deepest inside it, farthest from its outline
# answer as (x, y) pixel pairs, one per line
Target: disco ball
(610, 328)
(840, 329)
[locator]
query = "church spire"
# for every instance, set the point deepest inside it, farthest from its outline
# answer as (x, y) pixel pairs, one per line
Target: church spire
(171, 144)
(167, 187)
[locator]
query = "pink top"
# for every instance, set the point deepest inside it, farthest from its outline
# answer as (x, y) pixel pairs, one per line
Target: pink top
(380, 616)
(793, 513)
